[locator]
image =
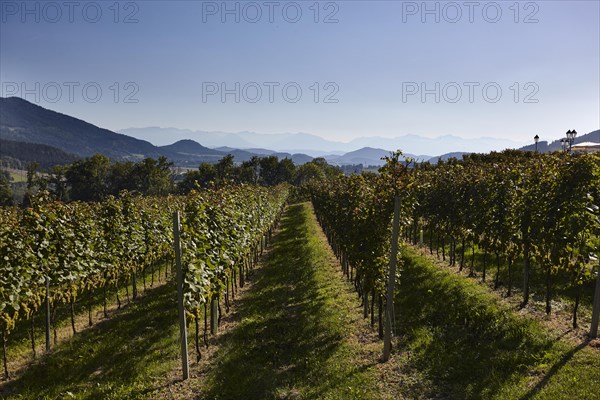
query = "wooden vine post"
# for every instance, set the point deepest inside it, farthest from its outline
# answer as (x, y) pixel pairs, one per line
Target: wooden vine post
(214, 315)
(47, 306)
(596, 309)
(185, 366)
(389, 306)
(6, 374)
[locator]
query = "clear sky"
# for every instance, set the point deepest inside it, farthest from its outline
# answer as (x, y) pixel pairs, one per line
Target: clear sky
(501, 69)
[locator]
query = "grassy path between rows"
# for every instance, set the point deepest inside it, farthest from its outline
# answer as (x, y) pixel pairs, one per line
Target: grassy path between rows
(19, 353)
(118, 358)
(467, 342)
(300, 335)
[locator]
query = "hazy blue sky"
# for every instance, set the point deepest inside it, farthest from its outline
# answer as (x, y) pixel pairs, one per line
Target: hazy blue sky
(373, 57)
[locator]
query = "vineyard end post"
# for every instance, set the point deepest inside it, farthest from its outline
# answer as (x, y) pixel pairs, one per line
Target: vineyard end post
(389, 307)
(185, 366)
(47, 309)
(214, 315)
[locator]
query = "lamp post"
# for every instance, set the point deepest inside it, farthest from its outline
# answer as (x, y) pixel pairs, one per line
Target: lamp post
(563, 144)
(536, 139)
(571, 134)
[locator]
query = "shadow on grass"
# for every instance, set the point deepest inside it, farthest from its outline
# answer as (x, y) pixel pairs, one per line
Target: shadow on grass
(562, 286)
(19, 340)
(284, 338)
(564, 359)
(118, 358)
(468, 345)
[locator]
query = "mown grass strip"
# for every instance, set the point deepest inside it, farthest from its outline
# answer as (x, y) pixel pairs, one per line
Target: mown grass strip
(296, 338)
(469, 345)
(119, 358)
(19, 352)
(563, 289)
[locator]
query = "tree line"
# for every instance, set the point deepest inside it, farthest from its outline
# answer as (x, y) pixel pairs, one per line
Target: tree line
(267, 171)
(97, 177)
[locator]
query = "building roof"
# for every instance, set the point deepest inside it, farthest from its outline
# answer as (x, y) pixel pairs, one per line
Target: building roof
(586, 146)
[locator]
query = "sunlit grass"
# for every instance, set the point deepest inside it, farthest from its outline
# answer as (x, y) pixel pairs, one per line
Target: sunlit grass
(121, 357)
(20, 353)
(563, 289)
(292, 340)
(469, 345)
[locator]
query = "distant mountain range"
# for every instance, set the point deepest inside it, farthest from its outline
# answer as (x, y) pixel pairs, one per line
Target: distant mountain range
(22, 122)
(366, 156)
(317, 146)
(65, 138)
(29, 131)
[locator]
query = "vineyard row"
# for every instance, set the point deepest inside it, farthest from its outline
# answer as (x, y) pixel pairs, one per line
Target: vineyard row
(538, 209)
(52, 252)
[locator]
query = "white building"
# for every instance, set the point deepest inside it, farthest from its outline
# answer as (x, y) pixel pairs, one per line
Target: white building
(588, 147)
